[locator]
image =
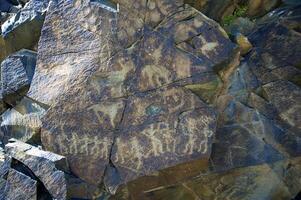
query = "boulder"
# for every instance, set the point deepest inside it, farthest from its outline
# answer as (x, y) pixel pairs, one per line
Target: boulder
(122, 110)
(2, 188)
(243, 43)
(44, 165)
(22, 31)
(16, 74)
(5, 162)
(20, 187)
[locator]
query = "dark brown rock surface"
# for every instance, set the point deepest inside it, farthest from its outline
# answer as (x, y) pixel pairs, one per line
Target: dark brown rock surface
(122, 101)
(150, 99)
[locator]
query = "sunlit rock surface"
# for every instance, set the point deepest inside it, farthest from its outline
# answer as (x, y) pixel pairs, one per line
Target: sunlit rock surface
(137, 99)
(16, 74)
(23, 29)
(44, 165)
(20, 186)
(122, 103)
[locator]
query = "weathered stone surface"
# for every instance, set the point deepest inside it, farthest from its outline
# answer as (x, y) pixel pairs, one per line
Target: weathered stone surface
(23, 122)
(20, 187)
(216, 9)
(147, 99)
(243, 43)
(241, 138)
(257, 182)
(22, 127)
(5, 162)
(3, 105)
(79, 189)
(240, 25)
(2, 188)
(22, 31)
(286, 97)
(122, 109)
(44, 165)
(262, 112)
(16, 74)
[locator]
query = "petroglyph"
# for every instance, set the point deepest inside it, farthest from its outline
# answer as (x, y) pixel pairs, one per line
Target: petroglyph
(207, 47)
(92, 146)
(109, 112)
(175, 98)
(198, 131)
(112, 75)
(156, 144)
(154, 76)
(132, 152)
(159, 139)
(134, 58)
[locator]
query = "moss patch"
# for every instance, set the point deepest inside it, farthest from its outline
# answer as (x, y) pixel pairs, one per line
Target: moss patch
(240, 11)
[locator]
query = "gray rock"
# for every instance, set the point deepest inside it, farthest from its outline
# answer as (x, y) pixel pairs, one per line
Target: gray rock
(23, 121)
(240, 140)
(16, 74)
(23, 29)
(44, 165)
(240, 25)
(286, 97)
(20, 187)
(5, 162)
(32, 13)
(3, 17)
(24, 127)
(3, 105)
(2, 188)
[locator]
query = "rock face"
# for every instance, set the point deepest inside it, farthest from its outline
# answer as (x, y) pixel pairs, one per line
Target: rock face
(16, 74)
(150, 99)
(122, 110)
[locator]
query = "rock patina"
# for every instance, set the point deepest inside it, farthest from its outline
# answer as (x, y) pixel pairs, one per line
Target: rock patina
(115, 79)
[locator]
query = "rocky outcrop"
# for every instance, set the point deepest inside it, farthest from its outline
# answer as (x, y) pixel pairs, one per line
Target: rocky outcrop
(151, 100)
(123, 111)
